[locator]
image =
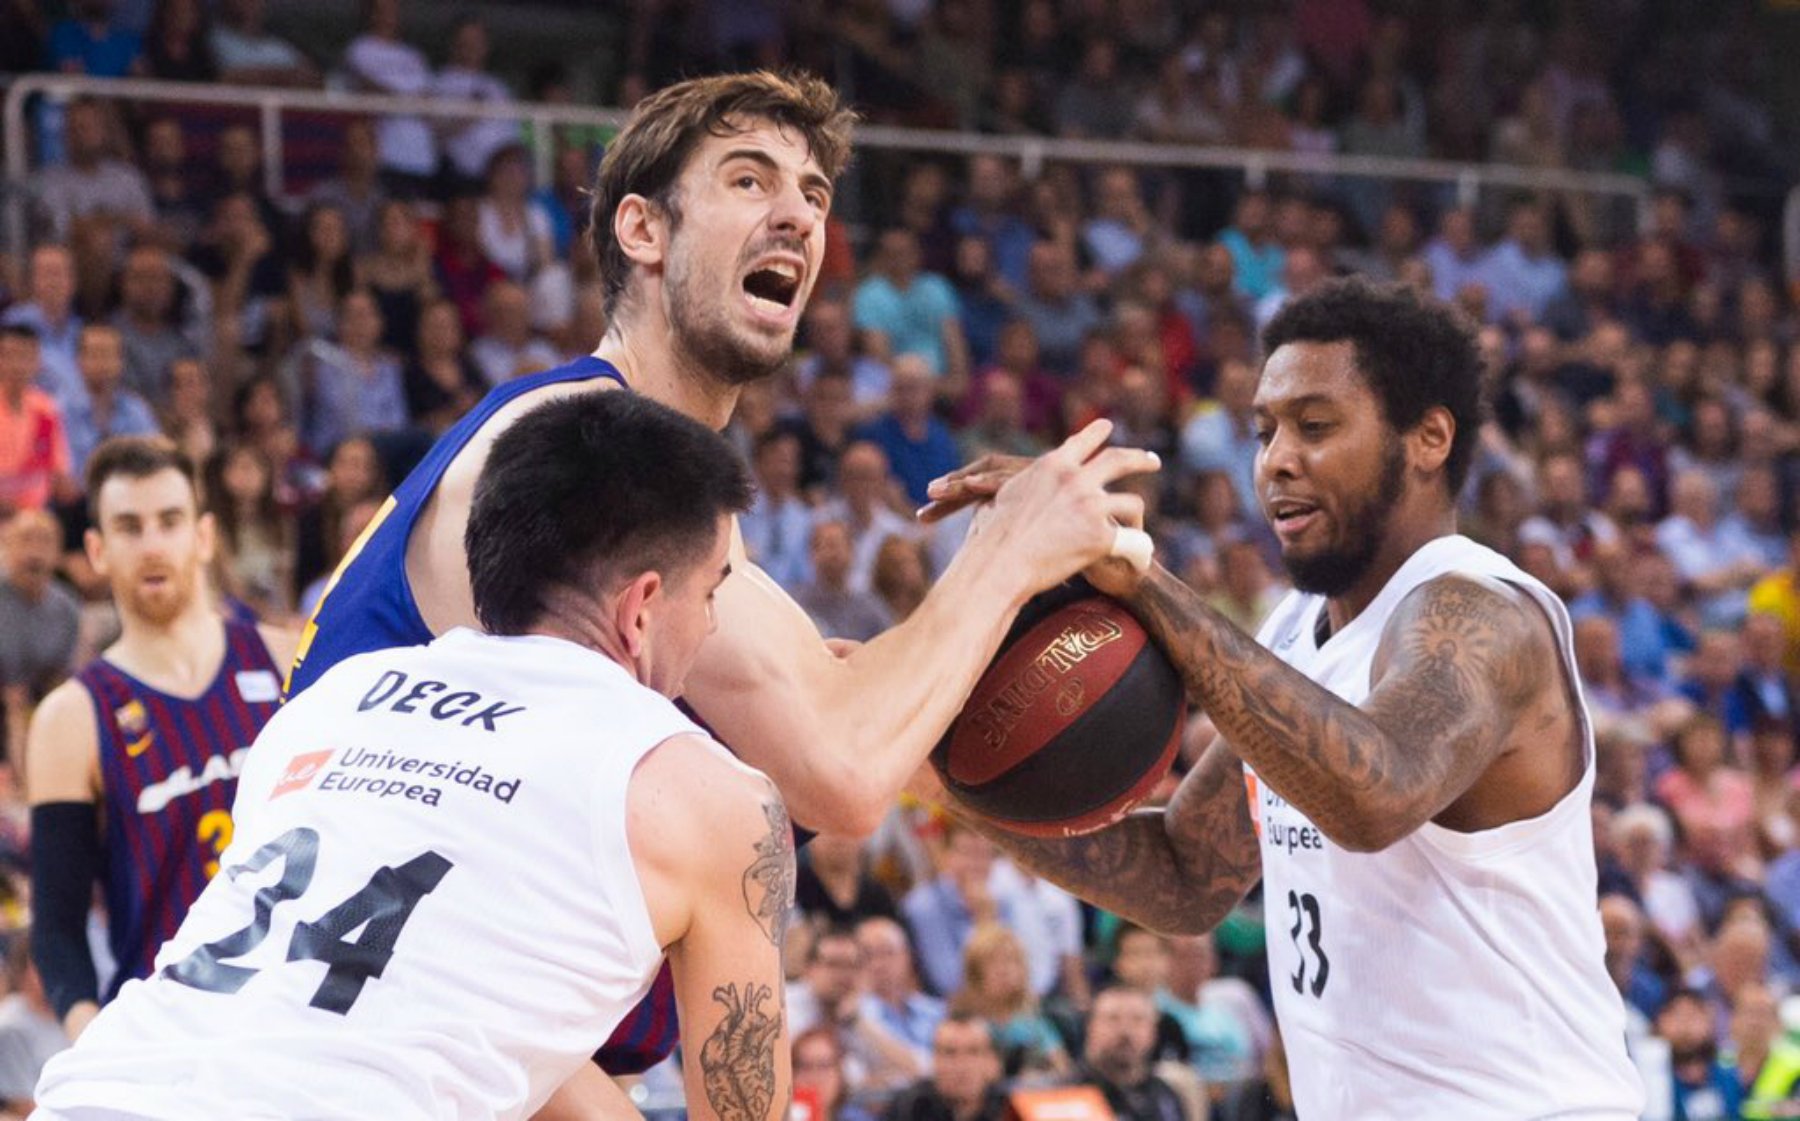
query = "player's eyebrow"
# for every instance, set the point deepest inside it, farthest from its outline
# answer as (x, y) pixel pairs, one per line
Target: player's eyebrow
(809, 180)
(1284, 404)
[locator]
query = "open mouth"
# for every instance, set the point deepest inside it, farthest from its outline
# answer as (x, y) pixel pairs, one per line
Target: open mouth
(1290, 515)
(775, 284)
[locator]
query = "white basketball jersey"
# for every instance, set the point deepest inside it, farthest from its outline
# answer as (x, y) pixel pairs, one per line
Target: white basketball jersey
(1452, 974)
(429, 909)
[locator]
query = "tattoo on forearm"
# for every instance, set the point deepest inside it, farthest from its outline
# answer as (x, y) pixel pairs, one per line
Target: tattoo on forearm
(737, 1061)
(769, 881)
(1462, 669)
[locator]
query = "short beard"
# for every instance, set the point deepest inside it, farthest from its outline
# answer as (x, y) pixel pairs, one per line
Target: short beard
(702, 332)
(1334, 573)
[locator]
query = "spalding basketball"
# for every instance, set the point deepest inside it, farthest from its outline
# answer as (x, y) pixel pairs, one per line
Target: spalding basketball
(1074, 722)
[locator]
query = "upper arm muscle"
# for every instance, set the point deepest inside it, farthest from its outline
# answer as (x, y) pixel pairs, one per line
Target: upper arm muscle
(62, 752)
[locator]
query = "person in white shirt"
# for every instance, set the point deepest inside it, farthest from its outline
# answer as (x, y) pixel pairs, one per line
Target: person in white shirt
(455, 867)
(381, 62)
(1403, 753)
(465, 77)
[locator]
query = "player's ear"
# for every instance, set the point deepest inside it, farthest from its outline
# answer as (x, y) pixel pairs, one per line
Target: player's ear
(94, 546)
(206, 537)
(641, 228)
(636, 605)
(1430, 439)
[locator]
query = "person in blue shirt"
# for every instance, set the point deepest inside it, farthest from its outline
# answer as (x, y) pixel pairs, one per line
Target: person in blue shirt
(91, 42)
(919, 446)
(903, 310)
(107, 408)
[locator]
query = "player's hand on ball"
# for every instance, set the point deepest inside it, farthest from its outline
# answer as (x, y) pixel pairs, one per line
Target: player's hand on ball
(969, 484)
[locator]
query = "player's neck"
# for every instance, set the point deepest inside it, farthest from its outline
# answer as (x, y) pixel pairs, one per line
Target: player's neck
(1406, 534)
(653, 364)
(181, 656)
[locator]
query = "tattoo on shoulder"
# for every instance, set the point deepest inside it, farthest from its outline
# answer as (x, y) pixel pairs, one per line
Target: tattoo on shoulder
(769, 881)
(737, 1061)
(1462, 633)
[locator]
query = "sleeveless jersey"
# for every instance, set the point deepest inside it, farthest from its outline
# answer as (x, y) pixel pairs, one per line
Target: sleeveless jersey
(368, 603)
(168, 770)
(430, 908)
(1452, 974)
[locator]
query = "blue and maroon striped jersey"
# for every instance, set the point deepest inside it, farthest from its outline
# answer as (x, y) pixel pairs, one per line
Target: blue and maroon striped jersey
(169, 768)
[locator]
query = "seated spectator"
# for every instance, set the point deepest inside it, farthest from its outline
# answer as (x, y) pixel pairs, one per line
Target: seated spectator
(1223, 1018)
(34, 445)
(1522, 273)
(1644, 841)
(996, 987)
(1764, 695)
(990, 211)
(1771, 752)
(1061, 315)
(984, 296)
(354, 476)
(1141, 963)
(865, 504)
(94, 182)
(1755, 518)
(175, 192)
(249, 56)
(38, 618)
(565, 198)
(901, 309)
(352, 385)
(1247, 590)
(997, 422)
(1256, 255)
(356, 189)
(778, 524)
(30, 1034)
(238, 170)
(1714, 566)
(515, 230)
(839, 610)
(150, 327)
(321, 272)
(255, 537)
(1121, 230)
(442, 382)
(918, 445)
(1756, 1033)
(380, 60)
(236, 252)
(187, 413)
(899, 579)
(965, 1082)
(470, 147)
(833, 886)
(1272, 1098)
(1221, 436)
(1118, 1055)
(399, 275)
(1713, 801)
(829, 997)
(1710, 682)
(50, 314)
(354, 522)
(509, 348)
(892, 995)
(831, 349)
(260, 415)
(827, 414)
(1628, 964)
(107, 408)
(178, 45)
(819, 1074)
(1140, 411)
(1611, 691)
(1096, 102)
(92, 42)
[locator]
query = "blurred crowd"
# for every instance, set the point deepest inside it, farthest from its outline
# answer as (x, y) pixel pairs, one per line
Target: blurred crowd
(1641, 458)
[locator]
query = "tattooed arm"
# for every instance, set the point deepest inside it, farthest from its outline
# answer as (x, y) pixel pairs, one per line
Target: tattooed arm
(715, 854)
(1462, 661)
(1178, 870)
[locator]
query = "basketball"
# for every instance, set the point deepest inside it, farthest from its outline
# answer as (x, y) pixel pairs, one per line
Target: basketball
(1074, 722)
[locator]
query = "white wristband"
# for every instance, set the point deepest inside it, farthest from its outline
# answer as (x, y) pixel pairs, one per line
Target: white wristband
(1134, 547)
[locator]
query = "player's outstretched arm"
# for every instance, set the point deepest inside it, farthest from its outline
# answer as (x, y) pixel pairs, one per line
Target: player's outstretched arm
(1177, 870)
(841, 735)
(715, 853)
(62, 782)
(1461, 662)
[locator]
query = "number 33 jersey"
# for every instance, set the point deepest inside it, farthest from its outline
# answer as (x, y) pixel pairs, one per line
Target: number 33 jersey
(1452, 974)
(429, 908)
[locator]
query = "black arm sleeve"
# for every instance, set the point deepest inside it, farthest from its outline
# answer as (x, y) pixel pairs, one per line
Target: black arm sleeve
(65, 862)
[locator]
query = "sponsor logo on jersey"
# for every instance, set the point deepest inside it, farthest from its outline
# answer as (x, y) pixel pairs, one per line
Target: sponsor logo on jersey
(1279, 825)
(184, 780)
(258, 686)
(140, 745)
(411, 778)
(301, 770)
(134, 723)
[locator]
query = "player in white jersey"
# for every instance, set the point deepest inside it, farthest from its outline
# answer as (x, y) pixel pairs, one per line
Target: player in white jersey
(457, 866)
(1413, 743)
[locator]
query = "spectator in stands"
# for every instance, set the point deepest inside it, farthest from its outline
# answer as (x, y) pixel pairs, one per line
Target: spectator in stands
(840, 609)
(1121, 230)
(1302, 271)
(248, 55)
(354, 477)
(106, 408)
(998, 427)
(942, 912)
(1627, 960)
(1221, 436)
(1060, 314)
(1226, 1024)
(356, 190)
(1118, 1054)
(1455, 255)
(831, 345)
(515, 229)
(830, 996)
(996, 986)
(1590, 299)
(38, 618)
(1097, 103)
(50, 314)
(1715, 567)
(150, 327)
(1755, 517)
(819, 1071)
(256, 538)
(92, 42)
(1712, 800)
(187, 413)
(509, 348)
(353, 385)
(1777, 594)
(463, 269)
(833, 885)
(1247, 590)
(565, 197)
(1631, 440)
(1644, 840)
(442, 383)
(320, 273)
(34, 446)
(1256, 254)
(175, 193)
(94, 182)
(399, 275)
(1522, 273)
(470, 147)
(239, 170)
(866, 493)
(918, 445)
(1762, 688)
(1610, 689)
(901, 576)
(778, 526)
(237, 253)
(1771, 755)
(990, 211)
(1656, 309)
(381, 61)
(178, 45)
(902, 310)
(827, 415)
(355, 521)
(985, 297)
(965, 1080)
(891, 980)
(30, 1034)
(1141, 963)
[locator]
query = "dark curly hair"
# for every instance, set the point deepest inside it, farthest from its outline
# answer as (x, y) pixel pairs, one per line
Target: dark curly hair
(1416, 354)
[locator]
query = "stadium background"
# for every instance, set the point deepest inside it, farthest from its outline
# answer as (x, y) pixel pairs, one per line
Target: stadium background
(1058, 211)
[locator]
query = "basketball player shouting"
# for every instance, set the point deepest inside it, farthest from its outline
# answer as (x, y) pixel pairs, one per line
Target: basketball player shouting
(709, 220)
(457, 866)
(142, 748)
(1414, 744)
